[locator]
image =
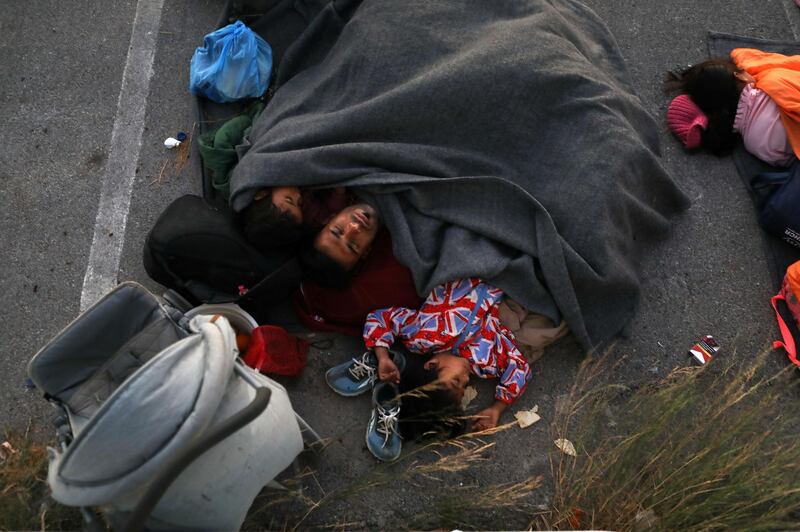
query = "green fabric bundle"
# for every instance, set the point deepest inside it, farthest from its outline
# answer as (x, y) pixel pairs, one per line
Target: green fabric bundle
(218, 147)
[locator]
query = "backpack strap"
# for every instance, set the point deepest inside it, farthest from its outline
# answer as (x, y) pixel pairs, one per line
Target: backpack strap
(196, 290)
(788, 340)
(277, 286)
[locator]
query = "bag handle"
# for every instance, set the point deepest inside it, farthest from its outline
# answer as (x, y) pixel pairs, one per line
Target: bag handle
(194, 449)
(788, 340)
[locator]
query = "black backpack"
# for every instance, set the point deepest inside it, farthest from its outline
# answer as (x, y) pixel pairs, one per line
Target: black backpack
(199, 251)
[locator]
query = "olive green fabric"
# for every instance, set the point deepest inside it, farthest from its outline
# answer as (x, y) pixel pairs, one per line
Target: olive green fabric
(218, 147)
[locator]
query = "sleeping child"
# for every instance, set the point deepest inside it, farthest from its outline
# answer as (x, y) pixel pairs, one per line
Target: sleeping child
(280, 216)
(752, 94)
(458, 324)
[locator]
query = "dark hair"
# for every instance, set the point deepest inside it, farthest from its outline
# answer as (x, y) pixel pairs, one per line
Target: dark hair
(320, 268)
(266, 227)
(714, 87)
(427, 409)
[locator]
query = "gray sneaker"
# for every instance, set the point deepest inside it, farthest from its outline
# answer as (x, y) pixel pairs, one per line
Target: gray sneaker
(383, 439)
(356, 376)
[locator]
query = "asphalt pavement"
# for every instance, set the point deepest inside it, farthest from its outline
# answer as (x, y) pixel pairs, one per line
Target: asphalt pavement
(64, 72)
(63, 66)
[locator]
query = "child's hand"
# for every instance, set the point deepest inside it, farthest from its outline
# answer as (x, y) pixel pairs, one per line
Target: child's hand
(387, 370)
(488, 417)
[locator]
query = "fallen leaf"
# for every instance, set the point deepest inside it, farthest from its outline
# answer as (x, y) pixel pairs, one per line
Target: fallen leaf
(470, 393)
(526, 418)
(565, 446)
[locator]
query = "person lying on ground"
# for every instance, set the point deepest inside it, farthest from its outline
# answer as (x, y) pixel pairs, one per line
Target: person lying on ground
(337, 297)
(350, 267)
(281, 216)
(344, 240)
(753, 94)
(350, 270)
(459, 325)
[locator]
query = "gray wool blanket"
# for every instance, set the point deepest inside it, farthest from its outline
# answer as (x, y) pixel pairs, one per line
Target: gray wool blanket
(499, 139)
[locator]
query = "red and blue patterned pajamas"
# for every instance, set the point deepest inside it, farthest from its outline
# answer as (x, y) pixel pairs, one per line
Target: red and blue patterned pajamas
(462, 317)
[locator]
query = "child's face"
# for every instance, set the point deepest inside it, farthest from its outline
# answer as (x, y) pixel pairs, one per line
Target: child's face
(453, 372)
(288, 200)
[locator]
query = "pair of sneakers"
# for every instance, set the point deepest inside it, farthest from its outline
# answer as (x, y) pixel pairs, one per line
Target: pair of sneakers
(356, 377)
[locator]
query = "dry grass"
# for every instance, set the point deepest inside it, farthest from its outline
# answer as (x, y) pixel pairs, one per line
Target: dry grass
(428, 465)
(708, 448)
(25, 503)
(176, 159)
(711, 448)
(472, 507)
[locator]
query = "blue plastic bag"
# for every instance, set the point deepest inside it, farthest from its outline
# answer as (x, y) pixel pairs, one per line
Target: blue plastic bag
(234, 63)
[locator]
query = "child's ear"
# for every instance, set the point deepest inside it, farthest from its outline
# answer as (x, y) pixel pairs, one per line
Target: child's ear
(431, 364)
(744, 77)
(261, 194)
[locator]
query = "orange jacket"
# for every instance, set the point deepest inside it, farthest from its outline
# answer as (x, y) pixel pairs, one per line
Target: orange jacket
(793, 278)
(779, 76)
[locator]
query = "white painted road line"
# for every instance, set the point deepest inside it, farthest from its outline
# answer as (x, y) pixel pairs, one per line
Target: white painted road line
(126, 142)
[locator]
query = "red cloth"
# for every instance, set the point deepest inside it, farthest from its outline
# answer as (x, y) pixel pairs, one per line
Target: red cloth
(272, 350)
(381, 282)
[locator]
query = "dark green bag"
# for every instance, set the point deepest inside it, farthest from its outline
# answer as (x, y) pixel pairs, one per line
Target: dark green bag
(218, 147)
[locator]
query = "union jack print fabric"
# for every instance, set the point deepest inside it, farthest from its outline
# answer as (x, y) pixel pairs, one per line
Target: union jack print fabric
(463, 317)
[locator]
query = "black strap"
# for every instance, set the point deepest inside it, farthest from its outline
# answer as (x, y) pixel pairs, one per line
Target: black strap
(200, 292)
(193, 450)
(275, 287)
